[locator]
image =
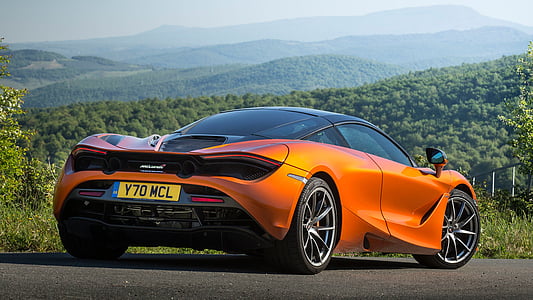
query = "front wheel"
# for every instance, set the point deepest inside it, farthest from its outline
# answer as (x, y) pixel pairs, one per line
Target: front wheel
(307, 247)
(460, 234)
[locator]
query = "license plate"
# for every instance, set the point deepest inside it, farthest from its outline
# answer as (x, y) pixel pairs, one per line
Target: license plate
(151, 191)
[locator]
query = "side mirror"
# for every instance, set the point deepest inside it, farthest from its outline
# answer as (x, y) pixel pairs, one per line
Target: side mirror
(438, 158)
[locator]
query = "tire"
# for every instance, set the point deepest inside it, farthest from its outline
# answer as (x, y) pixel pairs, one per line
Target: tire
(309, 244)
(88, 248)
(460, 234)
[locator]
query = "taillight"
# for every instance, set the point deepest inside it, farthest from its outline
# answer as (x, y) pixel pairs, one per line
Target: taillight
(81, 150)
(238, 165)
(89, 159)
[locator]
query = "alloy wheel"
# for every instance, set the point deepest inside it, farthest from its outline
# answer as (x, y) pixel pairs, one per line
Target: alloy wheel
(318, 226)
(460, 230)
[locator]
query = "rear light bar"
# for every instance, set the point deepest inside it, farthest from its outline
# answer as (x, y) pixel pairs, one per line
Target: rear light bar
(243, 157)
(91, 193)
(205, 199)
(80, 150)
(245, 166)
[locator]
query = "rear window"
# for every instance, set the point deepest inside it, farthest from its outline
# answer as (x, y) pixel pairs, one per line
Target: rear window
(295, 130)
(243, 122)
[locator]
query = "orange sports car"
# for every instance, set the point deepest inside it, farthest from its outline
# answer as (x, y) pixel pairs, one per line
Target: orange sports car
(292, 184)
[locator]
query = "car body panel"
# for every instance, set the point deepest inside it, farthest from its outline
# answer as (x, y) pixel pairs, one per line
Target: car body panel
(384, 205)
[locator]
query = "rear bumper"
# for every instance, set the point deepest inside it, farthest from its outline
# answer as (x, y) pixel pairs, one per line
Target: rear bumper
(229, 239)
(269, 201)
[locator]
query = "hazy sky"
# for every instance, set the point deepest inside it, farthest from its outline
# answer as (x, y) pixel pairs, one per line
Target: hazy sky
(52, 20)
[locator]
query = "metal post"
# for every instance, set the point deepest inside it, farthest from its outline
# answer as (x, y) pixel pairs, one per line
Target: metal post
(493, 178)
(514, 173)
(529, 178)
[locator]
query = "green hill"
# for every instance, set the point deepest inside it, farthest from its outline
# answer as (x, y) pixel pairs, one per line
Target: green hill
(276, 77)
(32, 69)
(453, 108)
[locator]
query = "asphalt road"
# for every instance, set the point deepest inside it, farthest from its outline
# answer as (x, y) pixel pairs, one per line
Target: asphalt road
(59, 276)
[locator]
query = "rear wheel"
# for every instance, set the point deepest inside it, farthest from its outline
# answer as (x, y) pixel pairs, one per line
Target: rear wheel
(88, 248)
(307, 247)
(460, 234)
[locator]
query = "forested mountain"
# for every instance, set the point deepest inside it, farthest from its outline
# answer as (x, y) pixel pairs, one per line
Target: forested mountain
(276, 77)
(453, 108)
(413, 51)
(399, 22)
(34, 68)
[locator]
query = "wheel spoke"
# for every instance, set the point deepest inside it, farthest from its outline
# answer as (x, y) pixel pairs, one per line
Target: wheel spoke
(317, 238)
(465, 232)
(463, 244)
(447, 246)
(313, 203)
(467, 221)
(324, 228)
(320, 204)
(460, 213)
(308, 212)
(445, 236)
(306, 237)
(317, 256)
(454, 243)
(322, 215)
(452, 215)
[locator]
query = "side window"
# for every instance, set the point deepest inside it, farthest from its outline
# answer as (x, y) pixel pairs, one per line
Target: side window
(327, 136)
(368, 140)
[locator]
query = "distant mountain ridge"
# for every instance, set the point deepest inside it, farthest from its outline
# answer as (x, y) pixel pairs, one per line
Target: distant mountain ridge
(413, 51)
(402, 21)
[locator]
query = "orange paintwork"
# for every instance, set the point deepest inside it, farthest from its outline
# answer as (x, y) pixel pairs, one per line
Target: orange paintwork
(396, 208)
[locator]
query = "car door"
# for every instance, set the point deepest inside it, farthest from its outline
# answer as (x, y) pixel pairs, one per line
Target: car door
(409, 195)
(361, 186)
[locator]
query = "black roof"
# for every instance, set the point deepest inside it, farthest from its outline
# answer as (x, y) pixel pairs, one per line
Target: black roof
(269, 122)
(254, 123)
(330, 116)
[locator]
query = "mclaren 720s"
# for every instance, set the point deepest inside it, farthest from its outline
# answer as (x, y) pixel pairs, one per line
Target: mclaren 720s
(294, 185)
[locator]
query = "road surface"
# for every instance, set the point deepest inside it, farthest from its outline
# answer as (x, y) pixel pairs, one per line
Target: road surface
(154, 276)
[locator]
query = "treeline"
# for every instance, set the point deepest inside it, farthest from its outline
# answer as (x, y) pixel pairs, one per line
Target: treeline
(276, 77)
(453, 108)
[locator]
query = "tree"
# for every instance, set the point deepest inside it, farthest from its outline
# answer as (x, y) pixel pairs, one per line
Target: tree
(521, 114)
(11, 136)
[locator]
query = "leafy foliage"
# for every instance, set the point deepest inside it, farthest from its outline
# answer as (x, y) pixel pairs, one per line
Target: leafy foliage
(521, 114)
(11, 135)
(24, 183)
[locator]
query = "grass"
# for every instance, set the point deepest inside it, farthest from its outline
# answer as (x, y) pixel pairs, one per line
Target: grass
(505, 233)
(28, 230)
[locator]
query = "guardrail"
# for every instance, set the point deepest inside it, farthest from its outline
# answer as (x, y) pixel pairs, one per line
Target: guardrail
(493, 175)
